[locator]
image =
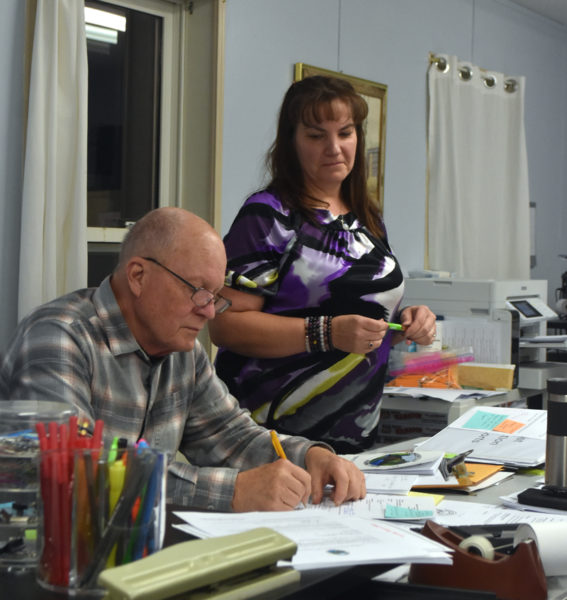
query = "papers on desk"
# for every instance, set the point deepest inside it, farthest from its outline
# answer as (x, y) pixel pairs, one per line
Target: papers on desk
(480, 475)
(323, 539)
(547, 341)
(455, 513)
(383, 506)
(383, 483)
(439, 393)
(402, 462)
(511, 500)
(509, 436)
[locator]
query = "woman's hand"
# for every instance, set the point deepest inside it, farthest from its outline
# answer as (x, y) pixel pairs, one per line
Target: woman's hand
(419, 325)
(354, 333)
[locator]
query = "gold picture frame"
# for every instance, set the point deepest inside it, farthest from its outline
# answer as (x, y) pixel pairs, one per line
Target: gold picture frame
(375, 95)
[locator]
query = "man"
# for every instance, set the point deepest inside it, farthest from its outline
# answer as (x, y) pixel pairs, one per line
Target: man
(126, 352)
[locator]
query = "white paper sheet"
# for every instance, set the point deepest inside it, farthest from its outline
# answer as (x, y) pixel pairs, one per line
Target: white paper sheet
(511, 436)
(374, 506)
(382, 483)
(325, 539)
(425, 462)
(439, 393)
(454, 513)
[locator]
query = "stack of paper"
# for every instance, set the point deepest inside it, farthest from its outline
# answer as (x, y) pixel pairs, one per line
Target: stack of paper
(479, 476)
(417, 507)
(384, 483)
(324, 539)
(509, 436)
(407, 462)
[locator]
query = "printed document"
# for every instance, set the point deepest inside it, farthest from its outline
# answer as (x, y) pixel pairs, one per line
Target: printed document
(509, 436)
(324, 539)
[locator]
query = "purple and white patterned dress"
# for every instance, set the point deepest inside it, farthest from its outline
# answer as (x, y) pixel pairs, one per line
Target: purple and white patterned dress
(333, 268)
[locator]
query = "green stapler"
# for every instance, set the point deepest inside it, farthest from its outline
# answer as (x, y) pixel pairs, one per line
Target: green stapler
(229, 567)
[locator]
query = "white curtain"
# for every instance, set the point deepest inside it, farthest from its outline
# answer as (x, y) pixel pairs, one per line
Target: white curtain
(478, 197)
(53, 248)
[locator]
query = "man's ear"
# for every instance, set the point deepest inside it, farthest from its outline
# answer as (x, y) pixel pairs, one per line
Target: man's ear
(136, 275)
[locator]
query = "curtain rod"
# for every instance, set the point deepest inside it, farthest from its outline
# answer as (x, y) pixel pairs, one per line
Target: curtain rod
(466, 73)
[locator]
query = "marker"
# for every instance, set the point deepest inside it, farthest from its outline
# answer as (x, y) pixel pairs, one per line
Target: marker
(113, 452)
(277, 446)
(395, 326)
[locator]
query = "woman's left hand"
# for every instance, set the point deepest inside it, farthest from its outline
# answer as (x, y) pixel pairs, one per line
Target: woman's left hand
(419, 325)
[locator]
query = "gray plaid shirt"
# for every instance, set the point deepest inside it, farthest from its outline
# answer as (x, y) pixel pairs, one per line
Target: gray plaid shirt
(80, 349)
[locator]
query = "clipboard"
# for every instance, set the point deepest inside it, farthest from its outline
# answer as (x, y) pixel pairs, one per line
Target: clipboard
(241, 565)
(476, 473)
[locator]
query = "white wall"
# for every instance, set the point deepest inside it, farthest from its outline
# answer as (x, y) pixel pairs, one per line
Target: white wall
(11, 148)
(383, 40)
(389, 41)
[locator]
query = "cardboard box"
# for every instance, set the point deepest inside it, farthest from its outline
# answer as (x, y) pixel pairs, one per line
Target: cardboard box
(485, 376)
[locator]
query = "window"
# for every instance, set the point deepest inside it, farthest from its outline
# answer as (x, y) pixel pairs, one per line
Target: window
(153, 115)
(124, 109)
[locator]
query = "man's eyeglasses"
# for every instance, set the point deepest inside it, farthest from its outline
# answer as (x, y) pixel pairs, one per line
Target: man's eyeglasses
(200, 296)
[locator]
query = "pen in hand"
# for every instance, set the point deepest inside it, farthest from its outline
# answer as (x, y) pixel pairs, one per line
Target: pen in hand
(277, 445)
(280, 452)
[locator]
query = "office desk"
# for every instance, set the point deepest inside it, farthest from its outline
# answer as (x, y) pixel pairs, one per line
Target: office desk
(320, 584)
(326, 584)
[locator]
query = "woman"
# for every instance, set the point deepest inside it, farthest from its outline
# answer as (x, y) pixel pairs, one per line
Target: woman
(313, 281)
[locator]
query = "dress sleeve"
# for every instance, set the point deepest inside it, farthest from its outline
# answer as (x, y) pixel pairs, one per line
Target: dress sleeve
(258, 241)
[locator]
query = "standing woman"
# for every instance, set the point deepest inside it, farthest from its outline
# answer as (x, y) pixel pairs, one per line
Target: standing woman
(313, 281)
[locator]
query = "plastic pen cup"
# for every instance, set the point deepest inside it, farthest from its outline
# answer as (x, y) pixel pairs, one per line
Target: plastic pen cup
(106, 513)
(19, 478)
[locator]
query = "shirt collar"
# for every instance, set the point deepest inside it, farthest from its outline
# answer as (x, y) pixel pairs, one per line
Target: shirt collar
(118, 334)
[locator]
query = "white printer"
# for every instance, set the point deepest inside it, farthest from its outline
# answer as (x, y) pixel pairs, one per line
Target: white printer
(495, 318)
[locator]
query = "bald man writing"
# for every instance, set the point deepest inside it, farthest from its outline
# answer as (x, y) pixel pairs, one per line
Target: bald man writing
(126, 352)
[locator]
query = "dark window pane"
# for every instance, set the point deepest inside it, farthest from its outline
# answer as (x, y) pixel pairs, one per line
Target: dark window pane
(101, 262)
(124, 107)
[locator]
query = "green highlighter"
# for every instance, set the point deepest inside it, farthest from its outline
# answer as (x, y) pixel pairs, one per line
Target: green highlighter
(395, 326)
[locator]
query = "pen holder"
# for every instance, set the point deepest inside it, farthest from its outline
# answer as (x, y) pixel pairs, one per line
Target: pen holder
(99, 512)
(19, 480)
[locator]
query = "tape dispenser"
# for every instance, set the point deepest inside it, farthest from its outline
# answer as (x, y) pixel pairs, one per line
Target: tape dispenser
(477, 565)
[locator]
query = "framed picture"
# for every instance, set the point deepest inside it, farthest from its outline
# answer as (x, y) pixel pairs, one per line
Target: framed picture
(375, 95)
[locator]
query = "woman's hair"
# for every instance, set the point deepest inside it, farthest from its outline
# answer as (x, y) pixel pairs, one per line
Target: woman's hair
(310, 101)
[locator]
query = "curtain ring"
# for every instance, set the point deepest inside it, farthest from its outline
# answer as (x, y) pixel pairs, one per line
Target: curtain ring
(465, 73)
(442, 64)
(510, 85)
(489, 81)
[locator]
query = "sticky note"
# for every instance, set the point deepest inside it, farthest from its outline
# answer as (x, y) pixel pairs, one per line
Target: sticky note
(402, 512)
(484, 420)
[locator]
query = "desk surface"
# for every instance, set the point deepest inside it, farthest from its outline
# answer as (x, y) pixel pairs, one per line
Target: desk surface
(323, 584)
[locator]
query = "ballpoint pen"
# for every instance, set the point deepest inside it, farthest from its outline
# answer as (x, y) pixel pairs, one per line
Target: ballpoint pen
(277, 445)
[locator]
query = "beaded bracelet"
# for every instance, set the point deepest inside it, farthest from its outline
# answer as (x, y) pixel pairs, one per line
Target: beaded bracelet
(318, 334)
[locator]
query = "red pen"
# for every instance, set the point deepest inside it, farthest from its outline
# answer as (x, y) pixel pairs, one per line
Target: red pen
(65, 497)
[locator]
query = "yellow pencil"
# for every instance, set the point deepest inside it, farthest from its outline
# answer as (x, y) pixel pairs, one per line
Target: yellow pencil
(277, 446)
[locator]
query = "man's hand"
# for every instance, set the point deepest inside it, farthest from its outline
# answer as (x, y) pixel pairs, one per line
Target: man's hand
(280, 485)
(328, 468)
